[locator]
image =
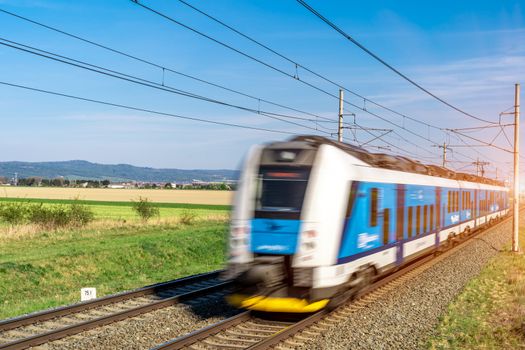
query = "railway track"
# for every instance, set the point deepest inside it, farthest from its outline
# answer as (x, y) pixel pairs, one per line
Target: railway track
(39, 328)
(250, 330)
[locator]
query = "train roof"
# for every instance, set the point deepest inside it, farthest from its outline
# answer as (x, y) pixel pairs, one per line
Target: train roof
(392, 162)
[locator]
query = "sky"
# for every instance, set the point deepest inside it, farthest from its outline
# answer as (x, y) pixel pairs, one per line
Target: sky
(470, 53)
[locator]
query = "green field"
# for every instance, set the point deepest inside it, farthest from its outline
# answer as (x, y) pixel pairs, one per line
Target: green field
(48, 267)
(124, 211)
(490, 312)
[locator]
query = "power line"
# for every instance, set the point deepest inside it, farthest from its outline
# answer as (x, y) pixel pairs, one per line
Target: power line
(247, 95)
(299, 65)
(362, 47)
(143, 82)
(483, 127)
(276, 68)
(156, 65)
(481, 141)
(165, 114)
(283, 72)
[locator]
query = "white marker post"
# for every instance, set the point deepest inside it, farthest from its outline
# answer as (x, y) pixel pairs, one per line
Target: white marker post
(88, 294)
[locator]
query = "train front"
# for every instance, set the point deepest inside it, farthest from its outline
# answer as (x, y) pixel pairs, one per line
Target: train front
(267, 232)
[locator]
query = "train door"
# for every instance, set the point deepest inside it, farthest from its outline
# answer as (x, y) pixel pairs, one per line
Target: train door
(438, 214)
(476, 208)
(400, 226)
(372, 223)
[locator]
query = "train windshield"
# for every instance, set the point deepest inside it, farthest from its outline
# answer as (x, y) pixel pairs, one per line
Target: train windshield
(281, 189)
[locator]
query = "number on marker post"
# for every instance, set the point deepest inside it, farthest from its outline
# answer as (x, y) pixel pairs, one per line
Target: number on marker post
(88, 294)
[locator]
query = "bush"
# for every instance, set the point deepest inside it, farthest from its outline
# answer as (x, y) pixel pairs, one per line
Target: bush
(80, 215)
(13, 213)
(187, 217)
(48, 216)
(57, 216)
(145, 209)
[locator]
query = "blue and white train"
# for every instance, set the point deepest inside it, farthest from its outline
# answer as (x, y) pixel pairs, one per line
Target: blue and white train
(315, 219)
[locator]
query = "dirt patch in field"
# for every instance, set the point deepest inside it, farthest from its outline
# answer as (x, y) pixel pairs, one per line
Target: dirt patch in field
(121, 195)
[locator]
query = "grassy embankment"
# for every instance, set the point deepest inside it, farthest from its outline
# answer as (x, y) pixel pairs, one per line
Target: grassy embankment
(44, 268)
(490, 312)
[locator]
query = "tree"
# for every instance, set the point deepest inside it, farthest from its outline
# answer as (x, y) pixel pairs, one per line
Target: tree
(145, 209)
(105, 183)
(58, 182)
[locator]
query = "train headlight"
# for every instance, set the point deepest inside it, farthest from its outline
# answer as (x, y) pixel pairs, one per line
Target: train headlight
(309, 240)
(239, 237)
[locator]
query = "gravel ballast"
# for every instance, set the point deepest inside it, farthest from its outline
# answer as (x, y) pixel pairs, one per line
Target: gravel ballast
(151, 329)
(407, 317)
(401, 319)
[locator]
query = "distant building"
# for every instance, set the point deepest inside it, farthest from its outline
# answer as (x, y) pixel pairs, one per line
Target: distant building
(116, 186)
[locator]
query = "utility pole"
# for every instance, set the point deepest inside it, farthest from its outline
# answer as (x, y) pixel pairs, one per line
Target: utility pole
(480, 167)
(444, 154)
(515, 217)
(445, 147)
(340, 128)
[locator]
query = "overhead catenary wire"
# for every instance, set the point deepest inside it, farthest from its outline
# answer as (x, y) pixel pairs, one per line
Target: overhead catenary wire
(162, 67)
(321, 119)
(279, 105)
(139, 109)
(164, 114)
(482, 142)
(383, 62)
(144, 82)
(209, 37)
(299, 65)
(173, 20)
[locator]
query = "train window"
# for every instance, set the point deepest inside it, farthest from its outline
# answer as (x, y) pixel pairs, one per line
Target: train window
(448, 202)
(386, 226)
(281, 189)
(456, 202)
(432, 217)
(418, 220)
(410, 228)
(374, 198)
(425, 219)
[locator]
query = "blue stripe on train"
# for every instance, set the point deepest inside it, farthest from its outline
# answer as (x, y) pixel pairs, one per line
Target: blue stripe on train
(274, 236)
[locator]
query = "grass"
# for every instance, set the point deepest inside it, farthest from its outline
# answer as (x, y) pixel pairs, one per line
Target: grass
(123, 211)
(490, 312)
(42, 268)
(48, 270)
(117, 204)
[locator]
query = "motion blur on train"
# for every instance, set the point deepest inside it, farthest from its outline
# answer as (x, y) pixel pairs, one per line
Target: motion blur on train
(315, 220)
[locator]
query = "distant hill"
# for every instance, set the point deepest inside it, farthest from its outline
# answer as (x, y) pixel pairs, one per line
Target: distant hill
(81, 169)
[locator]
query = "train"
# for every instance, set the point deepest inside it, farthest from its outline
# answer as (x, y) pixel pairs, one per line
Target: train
(315, 220)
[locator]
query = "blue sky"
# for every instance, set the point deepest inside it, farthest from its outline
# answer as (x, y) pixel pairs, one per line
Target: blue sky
(468, 52)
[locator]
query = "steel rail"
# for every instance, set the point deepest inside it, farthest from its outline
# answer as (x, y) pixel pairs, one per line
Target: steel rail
(62, 332)
(281, 335)
(110, 299)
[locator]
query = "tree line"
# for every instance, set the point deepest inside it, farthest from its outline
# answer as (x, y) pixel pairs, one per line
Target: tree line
(36, 181)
